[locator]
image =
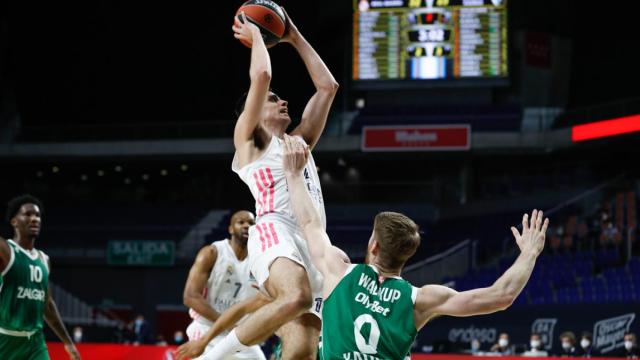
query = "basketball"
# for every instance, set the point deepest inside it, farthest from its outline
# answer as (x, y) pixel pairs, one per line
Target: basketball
(268, 17)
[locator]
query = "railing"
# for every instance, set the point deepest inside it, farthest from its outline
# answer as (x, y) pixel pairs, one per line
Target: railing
(75, 311)
(453, 262)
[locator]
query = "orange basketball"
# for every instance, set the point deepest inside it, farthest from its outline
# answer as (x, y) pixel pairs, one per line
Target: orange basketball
(268, 17)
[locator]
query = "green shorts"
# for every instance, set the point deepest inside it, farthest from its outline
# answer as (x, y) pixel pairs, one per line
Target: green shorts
(23, 348)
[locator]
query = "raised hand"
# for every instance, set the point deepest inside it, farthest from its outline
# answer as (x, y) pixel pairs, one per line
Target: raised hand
(533, 233)
(244, 30)
(295, 155)
(291, 29)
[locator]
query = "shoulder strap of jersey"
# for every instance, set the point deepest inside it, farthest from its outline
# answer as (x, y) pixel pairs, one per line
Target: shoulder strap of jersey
(349, 269)
(45, 259)
(241, 170)
(221, 246)
(414, 293)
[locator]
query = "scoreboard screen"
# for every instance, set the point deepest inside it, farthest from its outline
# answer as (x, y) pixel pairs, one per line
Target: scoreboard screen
(409, 40)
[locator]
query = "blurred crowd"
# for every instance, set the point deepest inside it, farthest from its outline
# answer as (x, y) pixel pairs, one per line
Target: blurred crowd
(570, 346)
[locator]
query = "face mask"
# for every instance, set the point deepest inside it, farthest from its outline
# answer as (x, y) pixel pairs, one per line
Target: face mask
(535, 344)
(77, 336)
(585, 343)
(566, 345)
(503, 342)
(178, 338)
(475, 345)
(628, 345)
(138, 322)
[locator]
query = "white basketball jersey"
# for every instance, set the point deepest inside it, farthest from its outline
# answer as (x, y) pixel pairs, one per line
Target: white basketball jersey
(268, 184)
(228, 283)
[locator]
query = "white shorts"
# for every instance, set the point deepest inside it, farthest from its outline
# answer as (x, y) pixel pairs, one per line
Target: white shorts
(196, 330)
(271, 239)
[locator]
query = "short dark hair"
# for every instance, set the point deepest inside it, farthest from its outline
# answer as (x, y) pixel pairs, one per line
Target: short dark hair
(398, 238)
(568, 334)
(14, 205)
(586, 334)
(242, 100)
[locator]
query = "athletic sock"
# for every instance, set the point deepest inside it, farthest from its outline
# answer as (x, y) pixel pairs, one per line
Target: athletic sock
(229, 345)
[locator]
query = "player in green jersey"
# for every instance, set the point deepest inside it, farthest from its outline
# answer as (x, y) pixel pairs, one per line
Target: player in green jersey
(370, 312)
(25, 299)
(381, 311)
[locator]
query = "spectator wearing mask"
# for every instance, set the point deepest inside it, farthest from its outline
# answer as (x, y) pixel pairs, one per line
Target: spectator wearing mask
(502, 346)
(586, 349)
(141, 331)
(178, 338)
(475, 347)
(77, 334)
(535, 342)
(630, 349)
(568, 344)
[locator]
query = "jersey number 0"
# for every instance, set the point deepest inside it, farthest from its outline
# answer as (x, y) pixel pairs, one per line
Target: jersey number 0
(366, 346)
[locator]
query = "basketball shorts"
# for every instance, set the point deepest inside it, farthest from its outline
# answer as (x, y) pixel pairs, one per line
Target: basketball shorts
(269, 240)
(23, 347)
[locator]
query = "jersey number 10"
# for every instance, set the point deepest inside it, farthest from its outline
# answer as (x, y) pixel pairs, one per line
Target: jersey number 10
(36, 273)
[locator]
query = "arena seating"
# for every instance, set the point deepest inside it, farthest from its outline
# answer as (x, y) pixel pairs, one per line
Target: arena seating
(564, 279)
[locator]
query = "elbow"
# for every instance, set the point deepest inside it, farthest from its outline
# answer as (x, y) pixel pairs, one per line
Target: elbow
(262, 75)
(187, 300)
(330, 87)
(505, 301)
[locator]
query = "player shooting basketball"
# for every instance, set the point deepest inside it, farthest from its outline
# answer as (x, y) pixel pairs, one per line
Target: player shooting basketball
(278, 254)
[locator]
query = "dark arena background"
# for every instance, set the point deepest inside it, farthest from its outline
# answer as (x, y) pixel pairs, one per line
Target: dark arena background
(461, 114)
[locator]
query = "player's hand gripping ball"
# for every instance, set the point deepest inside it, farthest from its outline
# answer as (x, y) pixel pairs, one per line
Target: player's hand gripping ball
(268, 17)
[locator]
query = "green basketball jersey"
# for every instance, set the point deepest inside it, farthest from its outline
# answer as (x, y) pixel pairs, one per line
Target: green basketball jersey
(368, 319)
(23, 291)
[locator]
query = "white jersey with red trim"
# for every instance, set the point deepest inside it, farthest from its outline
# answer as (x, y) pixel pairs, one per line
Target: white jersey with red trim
(268, 184)
(229, 281)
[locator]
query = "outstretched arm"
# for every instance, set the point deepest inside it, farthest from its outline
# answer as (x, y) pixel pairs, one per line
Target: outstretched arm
(434, 300)
(192, 296)
(53, 319)
(260, 74)
(326, 258)
(314, 117)
(226, 321)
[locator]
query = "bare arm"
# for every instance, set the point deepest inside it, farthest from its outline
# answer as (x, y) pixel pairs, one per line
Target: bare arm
(260, 75)
(226, 321)
(53, 319)
(434, 300)
(314, 117)
(326, 258)
(197, 280)
(5, 254)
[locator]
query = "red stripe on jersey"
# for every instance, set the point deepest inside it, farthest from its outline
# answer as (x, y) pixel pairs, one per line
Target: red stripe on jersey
(259, 199)
(268, 197)
(274, 233)
(267, 235)
(262, 240)
(271, 189)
